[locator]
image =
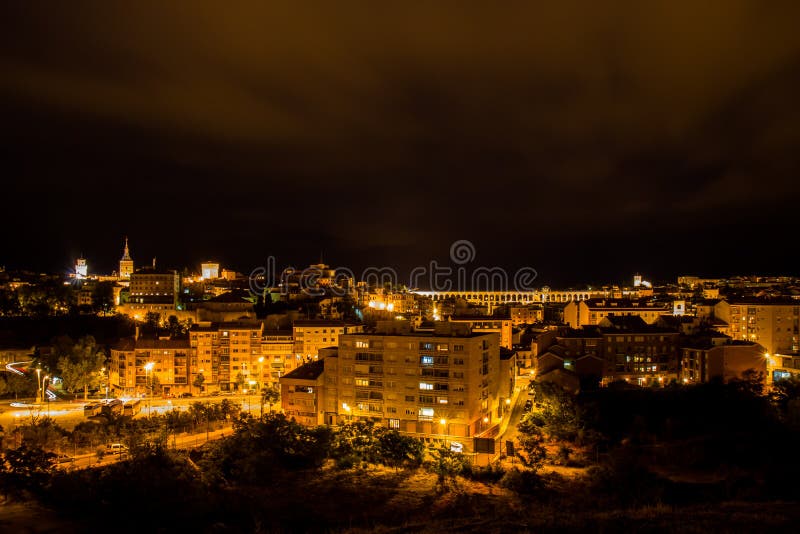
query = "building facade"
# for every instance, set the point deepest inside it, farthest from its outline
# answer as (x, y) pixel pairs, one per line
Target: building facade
(591, 312)
(312, 335)
(772, 323)
(140, 367)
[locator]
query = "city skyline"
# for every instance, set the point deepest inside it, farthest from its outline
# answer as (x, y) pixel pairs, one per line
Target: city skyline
(622, 148)
(461, 272)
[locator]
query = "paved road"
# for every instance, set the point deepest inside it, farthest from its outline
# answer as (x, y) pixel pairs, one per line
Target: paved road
(180, 442)
(69, 414)
(509, 433)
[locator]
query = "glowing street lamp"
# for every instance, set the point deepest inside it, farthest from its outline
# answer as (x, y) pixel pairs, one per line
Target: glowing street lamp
(38, 385)
(45, 379)
(347, 409)
(147, 368)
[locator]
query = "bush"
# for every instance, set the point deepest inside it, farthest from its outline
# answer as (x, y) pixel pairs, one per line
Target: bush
(524, 482)
(491, 473)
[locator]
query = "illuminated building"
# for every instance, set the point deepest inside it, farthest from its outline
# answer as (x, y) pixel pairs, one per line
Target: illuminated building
(303, 394)
(209, 270)
(227, 354)
(81, 268)
(153, 290)
(125, 263)
(381, 300)
(170, 369)
(530, 314)
(442, 386)
(314, 334)
(716, 358)
(772, 323)
(592, 311)
(277, 349)
(485, 323)
(618, 348)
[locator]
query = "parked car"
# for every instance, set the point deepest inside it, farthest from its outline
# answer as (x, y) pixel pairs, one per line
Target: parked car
(116, 448)
(528, 405)
(186, 395)
(63, 459)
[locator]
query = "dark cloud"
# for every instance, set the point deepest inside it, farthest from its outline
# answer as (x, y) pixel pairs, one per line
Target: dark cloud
(381, 133)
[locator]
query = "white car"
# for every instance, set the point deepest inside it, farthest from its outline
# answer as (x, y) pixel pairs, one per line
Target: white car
(116, 448)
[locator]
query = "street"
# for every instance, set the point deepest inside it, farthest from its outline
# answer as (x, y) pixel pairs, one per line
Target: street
(69, 414)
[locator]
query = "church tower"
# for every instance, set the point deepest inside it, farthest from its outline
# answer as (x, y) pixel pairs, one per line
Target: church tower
(126, 264)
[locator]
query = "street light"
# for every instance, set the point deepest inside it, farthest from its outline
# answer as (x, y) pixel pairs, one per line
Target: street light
(250, 404)
(103, 370)
(45, 379)
(260, 373)
(38, 385)
(347, 409)
(147, 368)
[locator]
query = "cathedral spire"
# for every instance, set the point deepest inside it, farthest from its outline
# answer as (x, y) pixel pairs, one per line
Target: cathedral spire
(126, 255)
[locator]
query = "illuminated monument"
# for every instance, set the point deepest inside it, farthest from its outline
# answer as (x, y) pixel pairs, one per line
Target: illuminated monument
(126, 263)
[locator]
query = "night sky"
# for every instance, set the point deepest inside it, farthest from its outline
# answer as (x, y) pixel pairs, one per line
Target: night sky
(589, 141)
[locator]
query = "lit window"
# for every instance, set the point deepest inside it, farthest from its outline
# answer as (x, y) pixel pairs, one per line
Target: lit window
(425, 385)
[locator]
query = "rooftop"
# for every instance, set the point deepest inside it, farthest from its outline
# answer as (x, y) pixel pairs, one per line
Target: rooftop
(129, 344)
(308, 371)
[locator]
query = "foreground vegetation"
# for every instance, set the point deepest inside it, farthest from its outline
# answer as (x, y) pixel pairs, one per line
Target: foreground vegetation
(681, 458)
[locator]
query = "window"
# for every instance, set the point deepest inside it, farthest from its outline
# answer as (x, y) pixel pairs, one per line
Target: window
(362, 344)
(425, 385)
(458, 348)
(394, 423)
(458, 361)
(363, 382)
(426, 360)
(391, 409)
(426, 412)
(425, 346)
(409, 398)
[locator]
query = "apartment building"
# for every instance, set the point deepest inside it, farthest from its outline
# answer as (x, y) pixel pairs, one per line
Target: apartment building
(312, 335)
(618, 348)
(277, 350)
(592, 311)
(485, 323)
(303, 393)
(443, 386)
(228, 355)
(141, 366)
(526, 314)
(707, 359)
(772, 323)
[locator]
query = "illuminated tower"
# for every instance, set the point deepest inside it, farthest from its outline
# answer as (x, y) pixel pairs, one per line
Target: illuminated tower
(81, 269)
(126, 264)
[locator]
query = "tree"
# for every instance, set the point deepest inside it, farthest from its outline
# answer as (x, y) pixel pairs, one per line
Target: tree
(25, 470)
(447, 465)
(531, 444)
(240, 379)
(270, 395)
(198, 382)
(81, 368)
(396, 450)
(103, 297)
(19, 385)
